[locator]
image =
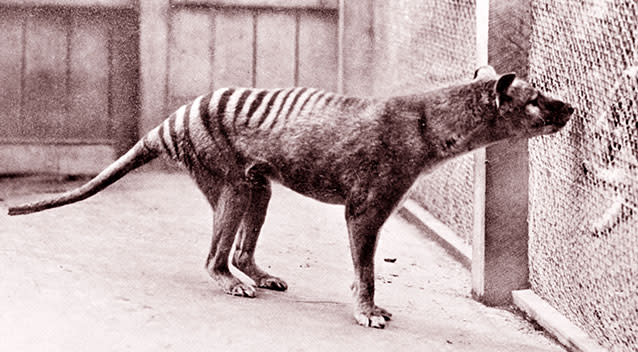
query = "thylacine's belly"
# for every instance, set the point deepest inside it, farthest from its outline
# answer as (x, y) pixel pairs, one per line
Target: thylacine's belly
(309, 178)
(321, 186)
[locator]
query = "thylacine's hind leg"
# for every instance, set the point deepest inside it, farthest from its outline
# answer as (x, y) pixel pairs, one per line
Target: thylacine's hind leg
(229, 203)
(243, 258)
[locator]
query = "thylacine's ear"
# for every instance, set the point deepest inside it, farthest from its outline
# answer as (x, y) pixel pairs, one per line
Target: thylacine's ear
(502, 86)
(486, 71)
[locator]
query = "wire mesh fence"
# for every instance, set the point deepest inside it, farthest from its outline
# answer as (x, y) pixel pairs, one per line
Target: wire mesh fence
(584, 181)
(583, 207)
(423, 45)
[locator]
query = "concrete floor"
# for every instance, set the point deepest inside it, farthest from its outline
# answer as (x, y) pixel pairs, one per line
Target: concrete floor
(123, 271)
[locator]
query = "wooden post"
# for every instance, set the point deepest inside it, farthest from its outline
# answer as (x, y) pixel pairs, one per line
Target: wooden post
(356, 40)
(153, 65)
(500, 262)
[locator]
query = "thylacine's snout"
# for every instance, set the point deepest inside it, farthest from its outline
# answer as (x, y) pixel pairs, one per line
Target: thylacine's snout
(564, 114)
(560, 112)
(567, 109)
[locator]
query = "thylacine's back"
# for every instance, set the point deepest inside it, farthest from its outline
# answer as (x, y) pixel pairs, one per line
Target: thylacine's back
(363, 153)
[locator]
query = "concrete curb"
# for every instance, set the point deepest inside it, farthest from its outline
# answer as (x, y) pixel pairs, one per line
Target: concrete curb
(570, 335)
(437, 231)
(555, 323)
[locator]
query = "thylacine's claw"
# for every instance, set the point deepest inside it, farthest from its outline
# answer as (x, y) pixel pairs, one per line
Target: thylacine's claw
(384, 313)
(272, 283)
(232, 285)
(242, 290)
(376, 318)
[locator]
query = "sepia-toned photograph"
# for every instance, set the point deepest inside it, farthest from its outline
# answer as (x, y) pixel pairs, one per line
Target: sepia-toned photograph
(319, 175)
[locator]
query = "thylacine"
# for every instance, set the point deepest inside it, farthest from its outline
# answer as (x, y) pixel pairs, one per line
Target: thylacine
(363, 153)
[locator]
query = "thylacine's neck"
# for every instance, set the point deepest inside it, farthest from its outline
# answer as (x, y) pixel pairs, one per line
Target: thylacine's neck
(455, 119)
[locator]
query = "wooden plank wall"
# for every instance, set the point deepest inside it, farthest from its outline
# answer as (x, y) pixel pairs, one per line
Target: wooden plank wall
(89, 73)
(60, 68)
(215, 44)
(70, 86)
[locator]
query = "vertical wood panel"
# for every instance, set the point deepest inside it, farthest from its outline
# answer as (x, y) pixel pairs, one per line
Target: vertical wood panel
(275, 58)
(45, 91)
(357, 46)
(124, 95)
(88, 116)
(153, 55)
(10, 72)
(318, 50)
(190, 48)
(233, 60)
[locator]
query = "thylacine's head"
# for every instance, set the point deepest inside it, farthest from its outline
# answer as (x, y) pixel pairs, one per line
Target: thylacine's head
(488, 109)
(521, 110)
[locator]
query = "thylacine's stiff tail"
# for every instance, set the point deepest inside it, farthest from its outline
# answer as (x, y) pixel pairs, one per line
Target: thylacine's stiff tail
(139, 155)
(171, 138)
(153, 144)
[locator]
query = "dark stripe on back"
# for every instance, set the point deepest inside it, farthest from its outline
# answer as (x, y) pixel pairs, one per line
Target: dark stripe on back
(255, 105)
(283, 103)
(204, 114)
(186, 151)
(309, 98)
(322, 93)
(240, 105)
(190, 147)
(222, 105)
(328, 100)
(160, 131)
(269, 105)
(221, 111)
(173, 133)
(294, 101)
(349, 101)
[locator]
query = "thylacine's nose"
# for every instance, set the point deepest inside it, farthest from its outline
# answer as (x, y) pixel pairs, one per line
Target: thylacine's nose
(560, 107)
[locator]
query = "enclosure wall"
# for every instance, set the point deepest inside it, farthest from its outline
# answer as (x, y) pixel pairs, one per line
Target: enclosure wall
(583, 217)
(214, 44)
(69, 101)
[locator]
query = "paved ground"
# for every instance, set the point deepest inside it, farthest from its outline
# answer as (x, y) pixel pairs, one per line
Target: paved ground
(123, 271)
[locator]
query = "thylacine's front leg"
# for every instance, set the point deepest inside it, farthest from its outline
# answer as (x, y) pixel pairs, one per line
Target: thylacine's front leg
(366, 211)
(244, 256)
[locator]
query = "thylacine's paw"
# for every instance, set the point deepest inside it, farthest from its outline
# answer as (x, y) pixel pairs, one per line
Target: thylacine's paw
(374, 318)
(262, 279)
(272, 283)
(232, 285)
(241, 289)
